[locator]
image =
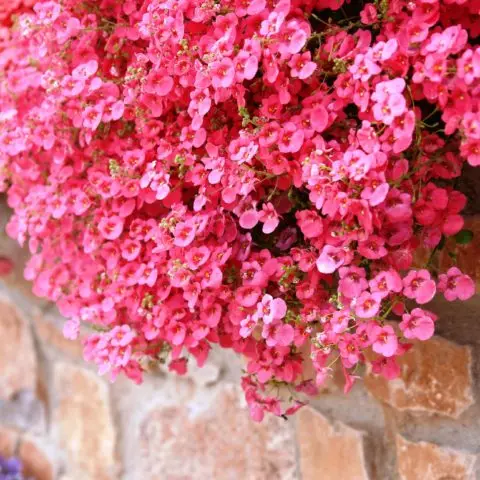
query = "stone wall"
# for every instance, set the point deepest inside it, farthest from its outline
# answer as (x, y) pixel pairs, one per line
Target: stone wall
(67, 423)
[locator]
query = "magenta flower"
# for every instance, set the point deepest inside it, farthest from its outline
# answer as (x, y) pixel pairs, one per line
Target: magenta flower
(385, 340)
(240, 175)
(418, 325)
(367, 304)
(419, 285)
(111, 227)
(271, 309)
(269, 217)
(184, 234)
(455, 285)
(330, 259)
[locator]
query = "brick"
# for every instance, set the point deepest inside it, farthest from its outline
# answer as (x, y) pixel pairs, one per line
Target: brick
(221, 442)
(8, 441)
(83, 423)
(18, 364)
(435, 378)
(329, 450)
(36, 463)
(427, 461)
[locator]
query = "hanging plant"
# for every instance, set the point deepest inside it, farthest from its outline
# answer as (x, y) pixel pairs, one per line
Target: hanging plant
(249, 174)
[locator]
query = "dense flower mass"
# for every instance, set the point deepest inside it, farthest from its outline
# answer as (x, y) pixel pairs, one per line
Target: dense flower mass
(256, 174)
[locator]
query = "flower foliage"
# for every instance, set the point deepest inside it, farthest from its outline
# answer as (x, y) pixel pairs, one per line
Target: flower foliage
(257, 174)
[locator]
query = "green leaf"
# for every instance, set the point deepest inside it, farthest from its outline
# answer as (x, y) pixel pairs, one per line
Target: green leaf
(463, 237)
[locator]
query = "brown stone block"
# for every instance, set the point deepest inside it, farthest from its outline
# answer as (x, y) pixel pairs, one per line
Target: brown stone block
(329, 451)
(220, 442)
(36, 463)
(83, 423)
(50, 335)
(18, 363)
(8, 441)
(435, 378)
(427, 461)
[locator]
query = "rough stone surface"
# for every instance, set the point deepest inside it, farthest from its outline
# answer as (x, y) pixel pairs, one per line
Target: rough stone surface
(36, 463)
(8, 441)
(329, 451)
(24, 412)
(427, 461)
(435, 378)
(83, 423)
(48, 330)
(220, 443)
(17, 354)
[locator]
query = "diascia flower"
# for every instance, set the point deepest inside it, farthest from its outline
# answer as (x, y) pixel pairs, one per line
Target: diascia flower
(244, 175)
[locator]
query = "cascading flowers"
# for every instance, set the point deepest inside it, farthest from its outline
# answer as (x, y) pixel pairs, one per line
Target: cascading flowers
(248, 173)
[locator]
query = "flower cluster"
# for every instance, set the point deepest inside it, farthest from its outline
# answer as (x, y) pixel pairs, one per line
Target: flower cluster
(10, 469)
(255, 174)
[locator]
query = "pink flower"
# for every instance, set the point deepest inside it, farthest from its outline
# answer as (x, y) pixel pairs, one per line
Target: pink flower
(239, 174)
(280, 334)
(184, 234)
(271, 309)
(419, 285)
(369, 14)
(385, 340)
(158, 83)
(340, 320)
(349, 349)
(352, 281)
(249, 219)
(367, 304)
(92, 117)
(269, 217)
(330, 259)
(387, 367)
(247, 325)
(301, 65)
(179, 366)
(454, 284)
(223, 73)
(418, 325)
(197, 256)
(247, 296)
(373, 248)
(319, 118)
(111, 227)
(310, 223)
(291, 138)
